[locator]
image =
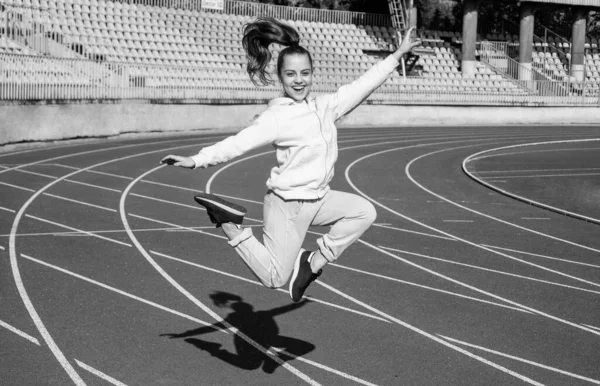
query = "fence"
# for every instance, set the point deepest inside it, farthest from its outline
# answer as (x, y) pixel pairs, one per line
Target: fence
(34, 78)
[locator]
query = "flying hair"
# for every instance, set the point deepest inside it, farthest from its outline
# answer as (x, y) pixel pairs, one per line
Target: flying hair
(258, 35)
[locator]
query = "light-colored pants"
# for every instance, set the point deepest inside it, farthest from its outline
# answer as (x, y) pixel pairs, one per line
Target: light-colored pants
(285, 225)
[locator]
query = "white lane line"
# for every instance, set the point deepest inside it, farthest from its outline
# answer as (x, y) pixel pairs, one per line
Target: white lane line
(31, 172)
(415, 232)
(78, 230)
(543, 256)
(594, 327)
(19, 332)
(516, 358)
(533, 170)
(194, 229)
(16, 186)
(407, 171)
(120, 292)
(80, 202)
(73, 233)
(93, 171)
(347, 175)
(191, 297)
(527, 200)
(197, 207)
(14, 263)
(93, 186)
(490, 270)
(2, 248)
(199, 191)
(323, 367)
(535, 218)
(459, 221)
(99, 374)
(7, 210)
(260, 284)
(431, 336)
(534, 151)
(428, 288)
(544, 176)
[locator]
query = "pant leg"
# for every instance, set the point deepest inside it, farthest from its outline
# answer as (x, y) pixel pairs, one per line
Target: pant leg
(349, 215)
(284, 230)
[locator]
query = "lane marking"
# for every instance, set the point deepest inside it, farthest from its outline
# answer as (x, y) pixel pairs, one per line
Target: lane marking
(99, 374)
(428, 288)
(490, 270)
(191, 318)
(407, 171)
(516, 358)
(415, 232)
(2, 248)
(431, 336)
(30, 172)
(176, 226)
(58, 354)
(78, 230)
(73, 233)
(93, 186)
(19, 332)
(543, 256)
(7, 210)
(260, 284)
(80, 202)
(472, 157)
(120, 292)
(323, 367)
(545, 176)
(535, 151)
(94, 171)
(191, 297)
(594, 327)
(533, 170)
(448, 235)
(16, 186)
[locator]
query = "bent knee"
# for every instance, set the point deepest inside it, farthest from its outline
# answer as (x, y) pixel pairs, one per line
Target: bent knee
(370, 213)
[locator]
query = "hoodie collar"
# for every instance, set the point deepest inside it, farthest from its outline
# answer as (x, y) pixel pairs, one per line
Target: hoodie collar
(286, 101)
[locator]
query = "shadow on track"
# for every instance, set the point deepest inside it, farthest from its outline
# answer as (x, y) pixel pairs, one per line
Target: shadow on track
(258, 325)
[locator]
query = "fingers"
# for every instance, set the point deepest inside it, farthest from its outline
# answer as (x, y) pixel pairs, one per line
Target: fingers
(170, 160)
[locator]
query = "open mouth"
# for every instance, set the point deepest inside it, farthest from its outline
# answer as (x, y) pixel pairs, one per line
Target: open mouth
(298, 88)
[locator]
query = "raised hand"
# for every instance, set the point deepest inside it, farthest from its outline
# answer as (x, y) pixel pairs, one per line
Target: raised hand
(176, 160)
(408, 43)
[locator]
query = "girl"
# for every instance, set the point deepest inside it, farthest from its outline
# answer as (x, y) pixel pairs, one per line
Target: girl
(302, 130)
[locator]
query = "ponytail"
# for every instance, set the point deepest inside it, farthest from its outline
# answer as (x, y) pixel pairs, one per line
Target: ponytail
(257, 38)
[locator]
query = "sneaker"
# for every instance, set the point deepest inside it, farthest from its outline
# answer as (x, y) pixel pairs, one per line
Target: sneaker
(220, 211)
(302, 275)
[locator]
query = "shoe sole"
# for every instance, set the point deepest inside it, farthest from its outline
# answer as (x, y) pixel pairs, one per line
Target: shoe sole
(225, 205)
(295, 272)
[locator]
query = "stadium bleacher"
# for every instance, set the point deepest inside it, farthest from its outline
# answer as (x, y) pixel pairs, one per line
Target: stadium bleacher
(163, 47)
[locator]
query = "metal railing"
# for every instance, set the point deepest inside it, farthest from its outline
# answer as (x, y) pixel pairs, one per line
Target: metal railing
(37, 78)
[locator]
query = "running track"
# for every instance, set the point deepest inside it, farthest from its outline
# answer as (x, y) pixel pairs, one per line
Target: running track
(103, 252)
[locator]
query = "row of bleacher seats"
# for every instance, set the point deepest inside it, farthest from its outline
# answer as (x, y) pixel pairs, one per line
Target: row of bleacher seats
(140, 34)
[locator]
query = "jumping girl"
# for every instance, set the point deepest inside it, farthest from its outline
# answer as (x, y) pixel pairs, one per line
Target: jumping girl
(302, 130)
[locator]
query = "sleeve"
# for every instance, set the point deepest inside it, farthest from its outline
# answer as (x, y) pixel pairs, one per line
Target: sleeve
(351, 95)
(263, 131)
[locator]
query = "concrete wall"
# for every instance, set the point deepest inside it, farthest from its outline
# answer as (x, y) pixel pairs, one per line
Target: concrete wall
(20, 122)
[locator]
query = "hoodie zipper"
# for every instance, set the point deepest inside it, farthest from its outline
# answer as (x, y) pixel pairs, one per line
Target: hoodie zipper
(326, 147)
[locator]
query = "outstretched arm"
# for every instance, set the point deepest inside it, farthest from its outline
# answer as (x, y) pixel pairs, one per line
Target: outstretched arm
(351, 95)
(262, 132)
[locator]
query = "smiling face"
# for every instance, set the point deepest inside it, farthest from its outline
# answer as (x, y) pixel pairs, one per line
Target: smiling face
(296, 76)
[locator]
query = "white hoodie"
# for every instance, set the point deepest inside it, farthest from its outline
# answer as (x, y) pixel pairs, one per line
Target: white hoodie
(303, 134)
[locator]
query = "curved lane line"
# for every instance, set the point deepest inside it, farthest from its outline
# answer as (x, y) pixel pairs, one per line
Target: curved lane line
(521, 198)
(17, 273)
(447, 235)
(407, 171)
(191, 297)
